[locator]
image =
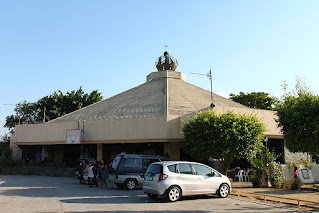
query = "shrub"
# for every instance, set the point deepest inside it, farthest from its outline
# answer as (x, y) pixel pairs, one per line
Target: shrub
(296, 184)
(7, 152)
(266, 169)
(286, 184)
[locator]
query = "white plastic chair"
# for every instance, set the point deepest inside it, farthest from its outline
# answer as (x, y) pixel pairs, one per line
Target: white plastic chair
(246, 175)
(239, 176)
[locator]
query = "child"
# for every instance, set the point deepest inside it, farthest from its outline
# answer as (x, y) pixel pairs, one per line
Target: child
(90, 174)
(296, 175)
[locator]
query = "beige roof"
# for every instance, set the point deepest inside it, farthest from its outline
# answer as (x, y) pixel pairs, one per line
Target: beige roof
(156, 98)
(145, 100)
(184, 98)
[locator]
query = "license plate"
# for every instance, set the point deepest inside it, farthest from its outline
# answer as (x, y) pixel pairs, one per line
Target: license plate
(149, 178)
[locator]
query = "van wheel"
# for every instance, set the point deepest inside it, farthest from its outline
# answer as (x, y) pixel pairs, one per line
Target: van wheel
(173, 194)
(223, 190)
(130, 184)
(153, 196)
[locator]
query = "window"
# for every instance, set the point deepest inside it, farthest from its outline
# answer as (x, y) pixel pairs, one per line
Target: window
(133, 163)
(172, 168)
(185, 168)
(116, 162)
(155, 169)
(201, 170)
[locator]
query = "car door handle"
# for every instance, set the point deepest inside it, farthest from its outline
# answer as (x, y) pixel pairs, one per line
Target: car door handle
(179, 177)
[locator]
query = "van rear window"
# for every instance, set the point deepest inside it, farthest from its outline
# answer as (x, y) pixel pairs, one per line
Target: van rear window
(133, 163)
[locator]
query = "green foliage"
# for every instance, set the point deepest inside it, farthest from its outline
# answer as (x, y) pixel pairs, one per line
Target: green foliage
(296, 184)
(255, 100)
(222, 136)
(55, 105)
(5, 156)
(284, 184)
(292, 164)
(266, 169)
(298, 116)
(7, 153)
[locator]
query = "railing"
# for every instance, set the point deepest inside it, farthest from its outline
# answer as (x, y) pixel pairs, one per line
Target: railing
(274, 196)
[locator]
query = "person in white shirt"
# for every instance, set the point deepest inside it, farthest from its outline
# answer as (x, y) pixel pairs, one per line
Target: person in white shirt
(90, 174)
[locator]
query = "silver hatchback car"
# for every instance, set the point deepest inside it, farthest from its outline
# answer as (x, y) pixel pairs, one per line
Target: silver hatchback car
(175, 179)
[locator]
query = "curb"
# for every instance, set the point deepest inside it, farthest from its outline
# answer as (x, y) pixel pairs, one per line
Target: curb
(257, 196)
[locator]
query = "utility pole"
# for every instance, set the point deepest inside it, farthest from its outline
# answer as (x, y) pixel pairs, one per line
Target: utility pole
(209, 75)
(44, 114)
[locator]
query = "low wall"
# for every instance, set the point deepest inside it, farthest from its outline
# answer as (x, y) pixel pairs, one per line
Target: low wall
(290, 173)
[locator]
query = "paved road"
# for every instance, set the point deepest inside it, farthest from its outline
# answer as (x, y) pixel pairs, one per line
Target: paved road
(56, 194)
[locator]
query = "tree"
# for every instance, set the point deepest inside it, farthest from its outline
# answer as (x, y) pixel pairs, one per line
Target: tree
(298, 116)
(55, 105)
(255, 100)
(222, 136)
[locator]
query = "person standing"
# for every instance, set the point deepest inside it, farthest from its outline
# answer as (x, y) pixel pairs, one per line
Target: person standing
(90, 174)
(96, 172)
(103, 168)
(296, 175)
(38, 155)
(45, 155)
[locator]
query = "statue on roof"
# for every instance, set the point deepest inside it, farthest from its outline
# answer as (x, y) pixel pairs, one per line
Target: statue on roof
(166, 62)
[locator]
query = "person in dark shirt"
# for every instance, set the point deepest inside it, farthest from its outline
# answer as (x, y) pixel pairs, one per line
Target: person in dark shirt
(103, 169)
(96, 172)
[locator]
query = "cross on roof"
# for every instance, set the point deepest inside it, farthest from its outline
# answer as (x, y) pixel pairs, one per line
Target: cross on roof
(166, 47)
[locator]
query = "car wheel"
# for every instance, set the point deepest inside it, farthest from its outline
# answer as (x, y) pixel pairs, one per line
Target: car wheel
(173, 194)
(130, 184)
(153, 196)
(223, 190)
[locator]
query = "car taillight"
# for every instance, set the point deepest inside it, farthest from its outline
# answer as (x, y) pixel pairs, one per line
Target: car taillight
(162, 177)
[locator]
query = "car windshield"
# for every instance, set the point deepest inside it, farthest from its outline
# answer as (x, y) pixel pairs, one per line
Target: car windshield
(154, 169)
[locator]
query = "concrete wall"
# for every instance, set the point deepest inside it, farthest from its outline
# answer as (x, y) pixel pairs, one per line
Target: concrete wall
(126, 129)
(16, 151)
(136, 129)
(51, 132)
(315, 172)
(290, 174)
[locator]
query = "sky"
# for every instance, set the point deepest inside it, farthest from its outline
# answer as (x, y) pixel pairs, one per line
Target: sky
(251, 46)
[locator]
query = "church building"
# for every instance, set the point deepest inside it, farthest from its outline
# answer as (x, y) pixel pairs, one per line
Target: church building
(146, 119)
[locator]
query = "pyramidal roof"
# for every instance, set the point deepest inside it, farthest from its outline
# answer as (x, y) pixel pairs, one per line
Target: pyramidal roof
(164, 94)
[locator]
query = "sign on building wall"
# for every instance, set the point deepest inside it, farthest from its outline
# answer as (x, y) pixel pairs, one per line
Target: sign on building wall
(73, 136)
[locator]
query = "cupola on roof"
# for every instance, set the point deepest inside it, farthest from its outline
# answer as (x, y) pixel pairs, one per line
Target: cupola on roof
(166, 62)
